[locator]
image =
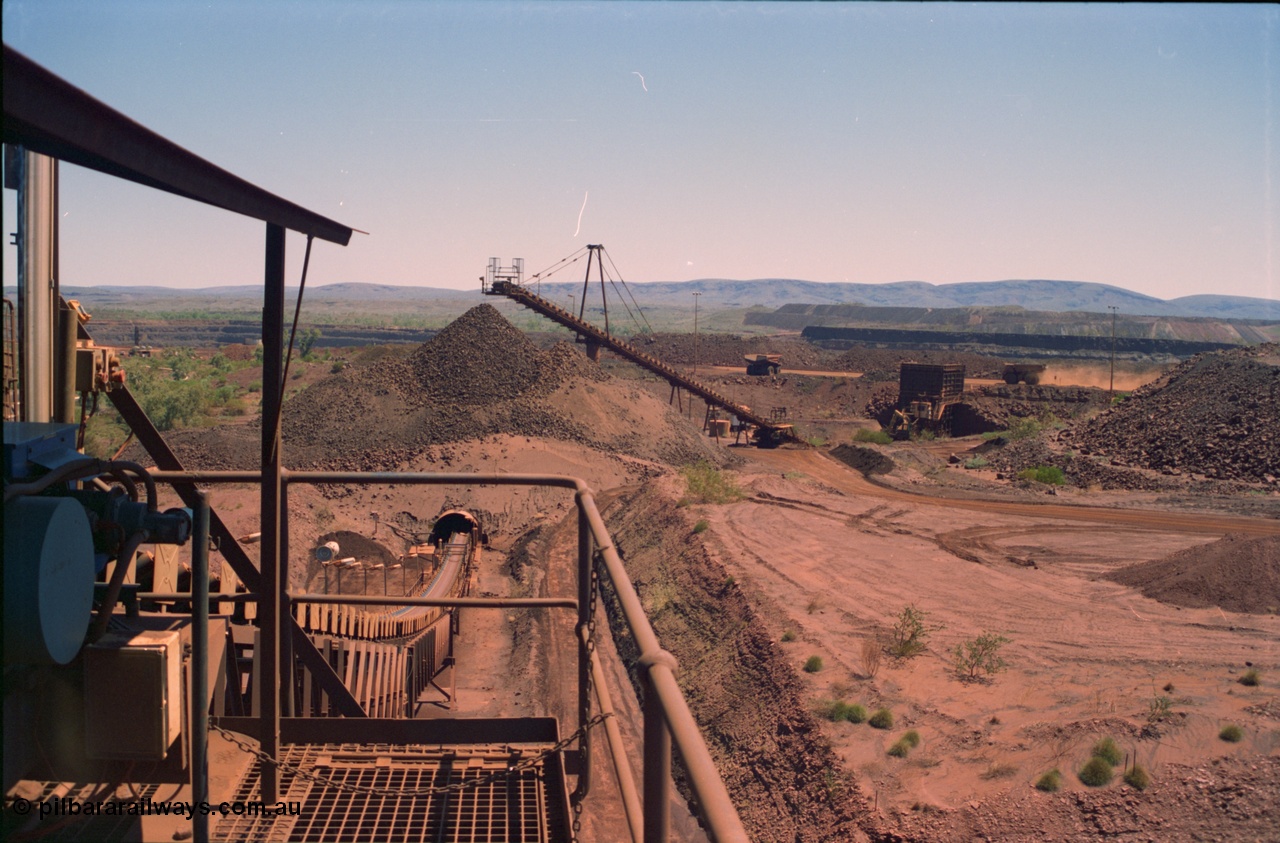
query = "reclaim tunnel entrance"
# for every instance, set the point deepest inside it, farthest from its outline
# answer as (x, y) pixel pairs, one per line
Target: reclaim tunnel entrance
(455, 521)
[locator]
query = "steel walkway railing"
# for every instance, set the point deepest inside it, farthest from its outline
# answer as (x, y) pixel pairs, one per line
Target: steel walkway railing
(667, 717)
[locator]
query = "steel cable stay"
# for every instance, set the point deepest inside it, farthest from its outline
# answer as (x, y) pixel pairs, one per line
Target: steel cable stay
(563, 263)
(297, 310)
(627, 289)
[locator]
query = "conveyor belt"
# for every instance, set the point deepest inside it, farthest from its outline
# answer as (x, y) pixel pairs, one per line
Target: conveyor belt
(592, 334)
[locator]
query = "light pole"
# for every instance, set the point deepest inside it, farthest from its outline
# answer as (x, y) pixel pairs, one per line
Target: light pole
(695, 334)
(350, 561)
(403, 585)
(383, 568)
(1111, 390)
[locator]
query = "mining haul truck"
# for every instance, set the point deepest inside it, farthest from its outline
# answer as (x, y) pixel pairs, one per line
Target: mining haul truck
(763, 364)
(926, 395)
(1025, 372)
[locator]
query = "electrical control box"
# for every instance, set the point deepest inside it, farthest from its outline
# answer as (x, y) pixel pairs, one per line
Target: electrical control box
(133, 693)
(32, 447)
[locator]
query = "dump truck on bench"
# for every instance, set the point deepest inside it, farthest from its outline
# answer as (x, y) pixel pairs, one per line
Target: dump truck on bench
(763, 364)
(1025, 372)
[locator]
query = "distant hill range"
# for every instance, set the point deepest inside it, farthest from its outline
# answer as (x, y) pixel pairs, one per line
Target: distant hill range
(1053, 296)
(764, 293)
(858, 323)
(363, 313)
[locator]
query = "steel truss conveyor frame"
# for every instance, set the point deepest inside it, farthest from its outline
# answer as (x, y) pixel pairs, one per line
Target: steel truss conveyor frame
(767, 432)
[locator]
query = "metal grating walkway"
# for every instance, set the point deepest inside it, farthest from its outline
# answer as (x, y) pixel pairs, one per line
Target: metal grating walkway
(379, 795)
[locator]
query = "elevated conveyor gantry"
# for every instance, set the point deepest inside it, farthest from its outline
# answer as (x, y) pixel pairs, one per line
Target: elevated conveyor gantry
(768, 433)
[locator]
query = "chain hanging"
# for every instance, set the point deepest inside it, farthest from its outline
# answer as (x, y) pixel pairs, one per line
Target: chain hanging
(594, 584)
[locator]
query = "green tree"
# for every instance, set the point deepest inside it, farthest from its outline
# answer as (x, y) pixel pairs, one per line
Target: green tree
(307, 340)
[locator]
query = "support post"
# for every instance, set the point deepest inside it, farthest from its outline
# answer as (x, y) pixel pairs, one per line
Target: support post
(64, 393)
(37, 282)
(586, 552)
(657, 765)
(1111, 388)
(586, 281)
(288, 672)
(200, 666)
(269, 612)
(604, 297)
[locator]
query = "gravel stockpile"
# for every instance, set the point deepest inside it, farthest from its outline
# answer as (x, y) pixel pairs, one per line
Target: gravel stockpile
(479, 376)
(1217, 414)
(1236, 573)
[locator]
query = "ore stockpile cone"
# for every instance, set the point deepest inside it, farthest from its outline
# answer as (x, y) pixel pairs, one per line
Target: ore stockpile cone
(479, 377)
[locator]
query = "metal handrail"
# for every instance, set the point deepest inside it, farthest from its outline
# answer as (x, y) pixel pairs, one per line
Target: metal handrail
(667, 717)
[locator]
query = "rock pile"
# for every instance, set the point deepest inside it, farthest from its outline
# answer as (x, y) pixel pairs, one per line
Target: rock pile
(1083, 472)
(1217, 414)
(480, 376)
(1237, 573)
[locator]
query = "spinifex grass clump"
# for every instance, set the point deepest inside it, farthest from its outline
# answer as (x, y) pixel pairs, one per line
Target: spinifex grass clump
(704, 483)
(813, 664)
(1137, 778)
(1050, 781)
(837, 710)
(1250, 678)
(909, 741)
(1096, 772)
(1107, 750)
(1048, 474)
(882, 719)
(856, 713)
(1231, 733)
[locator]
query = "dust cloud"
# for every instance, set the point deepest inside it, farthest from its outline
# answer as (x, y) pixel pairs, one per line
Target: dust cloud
(1099, 375)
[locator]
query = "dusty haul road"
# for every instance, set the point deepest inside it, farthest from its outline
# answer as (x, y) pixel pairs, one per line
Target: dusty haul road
(826, 470)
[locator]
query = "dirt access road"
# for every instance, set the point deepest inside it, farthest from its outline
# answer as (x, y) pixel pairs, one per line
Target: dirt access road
(826, 470)
(830, 560)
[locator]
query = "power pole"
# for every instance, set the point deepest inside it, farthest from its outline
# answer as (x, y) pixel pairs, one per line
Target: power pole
(695, 334)
(1111, 390)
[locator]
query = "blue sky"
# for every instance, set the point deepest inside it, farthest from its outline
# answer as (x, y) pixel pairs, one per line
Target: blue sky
(1123, 144)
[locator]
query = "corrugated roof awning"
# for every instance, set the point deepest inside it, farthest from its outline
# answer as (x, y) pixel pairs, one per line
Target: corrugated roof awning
(46, 114)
